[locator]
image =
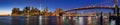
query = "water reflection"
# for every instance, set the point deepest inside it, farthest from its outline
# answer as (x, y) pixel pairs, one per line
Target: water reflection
(66, 21)
(80, 20)
(40, 20)
(51, 20)
(18, 20)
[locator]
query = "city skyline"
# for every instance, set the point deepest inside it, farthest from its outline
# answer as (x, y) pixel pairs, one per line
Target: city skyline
(7, 5)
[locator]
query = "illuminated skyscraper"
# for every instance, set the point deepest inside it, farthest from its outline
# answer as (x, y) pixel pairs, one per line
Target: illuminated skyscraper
(15, 12)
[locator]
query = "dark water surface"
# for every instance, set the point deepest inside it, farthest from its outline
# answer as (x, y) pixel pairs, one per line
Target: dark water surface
(8, 20)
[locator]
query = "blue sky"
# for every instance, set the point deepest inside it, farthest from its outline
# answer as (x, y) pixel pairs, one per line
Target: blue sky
(7, 5)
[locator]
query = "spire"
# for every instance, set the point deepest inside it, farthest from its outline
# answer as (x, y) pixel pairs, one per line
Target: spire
(41, 7)
(33, 8)
(46, 9)
(115, 2)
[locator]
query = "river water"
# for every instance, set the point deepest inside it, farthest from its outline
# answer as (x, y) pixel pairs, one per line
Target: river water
(51, 20)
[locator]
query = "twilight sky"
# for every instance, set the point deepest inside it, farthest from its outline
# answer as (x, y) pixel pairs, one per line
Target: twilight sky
(6, 6)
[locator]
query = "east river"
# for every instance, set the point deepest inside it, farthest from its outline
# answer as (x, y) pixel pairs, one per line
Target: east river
(52, 20)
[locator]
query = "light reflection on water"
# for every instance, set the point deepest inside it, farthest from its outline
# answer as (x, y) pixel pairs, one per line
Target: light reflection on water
(51, 20)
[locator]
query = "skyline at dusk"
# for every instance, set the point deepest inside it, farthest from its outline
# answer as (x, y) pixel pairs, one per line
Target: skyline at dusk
(59, 12)
(6, 6)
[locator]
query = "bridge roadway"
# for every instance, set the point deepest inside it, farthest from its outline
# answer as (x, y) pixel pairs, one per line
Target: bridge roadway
(91, 7)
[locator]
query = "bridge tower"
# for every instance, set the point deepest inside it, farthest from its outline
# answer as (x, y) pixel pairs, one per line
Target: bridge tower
(115, 18)
(116, 10)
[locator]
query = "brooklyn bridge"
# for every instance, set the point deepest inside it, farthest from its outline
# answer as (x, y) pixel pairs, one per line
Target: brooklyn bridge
(59, 14)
